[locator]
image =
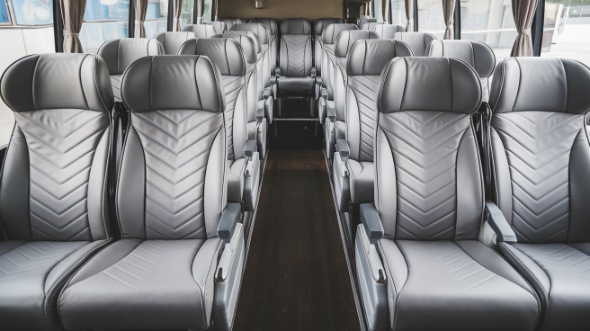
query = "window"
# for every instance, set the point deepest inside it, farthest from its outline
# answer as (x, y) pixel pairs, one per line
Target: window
(378, 10)
(156, 18)
(104, 20)
(4, 18)
(398, 12)
(430, 17)
(208, 11)
(187, 13)
(33, 12)
(491, 22)
(566, 29)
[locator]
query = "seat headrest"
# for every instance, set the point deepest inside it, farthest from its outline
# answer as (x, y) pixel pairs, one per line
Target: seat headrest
(321, 24)
(256, 28)
(346, 39)
(333, 30)
(173, 82)
(231, 21)
(387, 31)
(171, 41)
(225, 53)
(247, 43)
(201, 30)
(369, 57)
(295, 26)
(57, 81)
(429, 84)
(369, 26)
(239, 35)
(477, 54)
(541, 84)
(269, 23)
(418, 41)
(120, 53)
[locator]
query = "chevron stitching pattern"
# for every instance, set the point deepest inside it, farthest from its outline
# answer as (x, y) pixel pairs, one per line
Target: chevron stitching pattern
(298, 50)
(34, 259)
(232, 86)
(176, 146)
(61, 145)
(559, 261)
(538, 146)
(365, 89)
(424, 145)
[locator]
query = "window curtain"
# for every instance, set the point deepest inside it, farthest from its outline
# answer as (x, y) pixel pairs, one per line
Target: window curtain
(72, 14)
(177, 12)
(448, 11)
(385, 9)
(200, 8)
(410, 15)
(523, 12)
(140, 12)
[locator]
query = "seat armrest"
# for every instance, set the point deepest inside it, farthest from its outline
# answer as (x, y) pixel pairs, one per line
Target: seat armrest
(371, 222)
(314, 72)
(260, 111)
(342, 149)
(250, 147)
(499, 224)
(278, 72)
(229, 219)
(268, 102)
(330, 111)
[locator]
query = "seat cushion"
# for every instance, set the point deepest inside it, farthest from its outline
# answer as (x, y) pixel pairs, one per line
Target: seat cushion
(561, 275)
(31, 276)
(235, 180)
(464, 285)
(296, 85)
(362, 178)
(144, 284)
(116, 83)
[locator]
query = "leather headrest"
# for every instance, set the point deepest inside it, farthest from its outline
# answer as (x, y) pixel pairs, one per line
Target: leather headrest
(172, 82)
(418, 41)
(225, 53)
(231, 21)
(387, 31)
(333, 30)
(256, 28)
(57, 81)
(295, 26)
(369, 57)
(369, 26)
(346, 39)
(429, 84)
(248, 45)
(321, 24)
(240, 35)
(477, 54)
(541, 84)
(120, 53)
(269, 23)
(171, 41)
(206, 30)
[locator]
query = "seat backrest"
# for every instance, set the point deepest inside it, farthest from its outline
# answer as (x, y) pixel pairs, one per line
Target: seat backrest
(475, 53)
(418, 41)
(206, 30)
(171, 41)
(175, 150)
(229, 22)
(260, 65)
(228, 56)
(262, 33)
(53, 185)
(318, 29)
(540, 149)
(429, 183)
(363, 21)
(367, 58)
(368, 26)
(329, 36)
(387, 31)
(273, 43)
(120, 53)
(296, 52)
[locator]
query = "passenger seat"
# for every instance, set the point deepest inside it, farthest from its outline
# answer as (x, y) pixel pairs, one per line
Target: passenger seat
(273, 43)
(206, 30)
(179, 262)
(388, 31)
(53, 187)
(318, 28)
(230, 22)
(171, 41)
(120, 53)
(418, 41)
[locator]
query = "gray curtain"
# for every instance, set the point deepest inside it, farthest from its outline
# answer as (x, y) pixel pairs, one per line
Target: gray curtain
(72, 14)
(140, 12)
(448, 11)
(177, 12)
(410, 15)
(523, 12)
(200, 8)
(385, 9)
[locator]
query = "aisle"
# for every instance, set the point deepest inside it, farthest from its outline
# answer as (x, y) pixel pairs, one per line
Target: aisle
(296, 276)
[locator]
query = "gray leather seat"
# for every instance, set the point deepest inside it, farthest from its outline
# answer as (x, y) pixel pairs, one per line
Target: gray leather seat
(171, 41)
(387, 31)
(206, 30)
(230, 22)
(419, 261)
(318, 29)
(297, 75)
(541, 157)
(229, 57)
(475, 53)
(418, 41)
(273, 43)
(120, 53)
(53, 184)
(368, 26)
(173, 267)
(354, 173)
(367, 23)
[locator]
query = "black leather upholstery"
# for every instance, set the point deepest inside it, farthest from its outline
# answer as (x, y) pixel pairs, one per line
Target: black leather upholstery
(418, 41)
(53, 185)
(171, 41)
(540, 159)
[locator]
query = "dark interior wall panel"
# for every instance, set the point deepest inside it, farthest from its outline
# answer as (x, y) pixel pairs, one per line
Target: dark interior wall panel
(280, 9)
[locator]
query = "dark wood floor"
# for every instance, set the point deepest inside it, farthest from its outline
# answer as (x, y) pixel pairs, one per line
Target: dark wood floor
(296, 276)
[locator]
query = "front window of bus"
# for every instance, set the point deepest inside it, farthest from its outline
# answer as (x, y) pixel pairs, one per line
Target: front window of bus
(104, 20)
(26, 27)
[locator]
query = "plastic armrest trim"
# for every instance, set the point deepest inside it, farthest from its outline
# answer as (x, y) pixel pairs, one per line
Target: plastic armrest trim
(371, 222)
(229, 219)
(499, 224)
